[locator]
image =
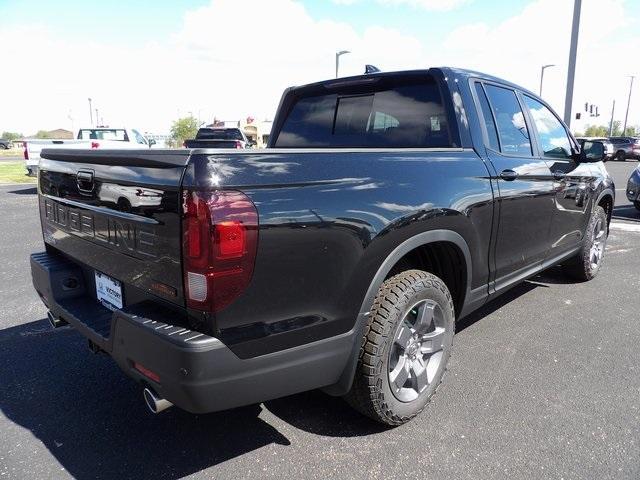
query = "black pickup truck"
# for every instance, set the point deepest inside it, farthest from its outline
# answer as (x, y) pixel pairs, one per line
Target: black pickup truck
(387, 207)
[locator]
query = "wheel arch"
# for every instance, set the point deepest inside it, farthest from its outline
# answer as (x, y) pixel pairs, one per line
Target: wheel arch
(420, 240)
(606, 200)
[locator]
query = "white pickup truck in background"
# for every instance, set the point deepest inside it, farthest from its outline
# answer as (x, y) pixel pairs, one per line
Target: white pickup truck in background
(87, 138)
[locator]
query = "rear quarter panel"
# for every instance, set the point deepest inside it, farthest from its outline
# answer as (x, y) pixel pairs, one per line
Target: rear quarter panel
(328, 219)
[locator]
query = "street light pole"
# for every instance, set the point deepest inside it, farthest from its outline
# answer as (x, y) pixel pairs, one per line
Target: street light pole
(542, 75)
(97, 118)
(90, 112)
(571, 71)
(341, 52)
(626, 115)
(613, 109)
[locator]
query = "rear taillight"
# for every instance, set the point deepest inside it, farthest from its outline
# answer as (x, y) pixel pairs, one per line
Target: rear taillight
(220, 239)
(25, 152)
(95, 145)
(238, 144)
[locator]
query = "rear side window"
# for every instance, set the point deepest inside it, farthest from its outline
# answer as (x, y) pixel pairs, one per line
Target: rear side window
(512, 128)
(487, 117)
(407, 113)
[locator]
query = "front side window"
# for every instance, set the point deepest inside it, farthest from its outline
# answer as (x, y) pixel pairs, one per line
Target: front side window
(512, 128)
(403, 112)
(552, 136)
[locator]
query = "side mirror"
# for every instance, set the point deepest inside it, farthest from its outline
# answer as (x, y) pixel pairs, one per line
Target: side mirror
(592, 151)
(151, 142)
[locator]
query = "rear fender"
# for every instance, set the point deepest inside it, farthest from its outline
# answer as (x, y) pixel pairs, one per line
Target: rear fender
(346, 379)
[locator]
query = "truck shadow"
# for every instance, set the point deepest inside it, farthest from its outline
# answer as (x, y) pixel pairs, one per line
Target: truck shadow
(93, 420)
(26, 190)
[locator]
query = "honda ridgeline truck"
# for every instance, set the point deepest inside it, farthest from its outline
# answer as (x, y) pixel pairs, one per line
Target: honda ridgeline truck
(387, 207)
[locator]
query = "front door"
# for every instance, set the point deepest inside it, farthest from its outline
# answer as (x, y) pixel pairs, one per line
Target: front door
(525, 186)
(571, 179)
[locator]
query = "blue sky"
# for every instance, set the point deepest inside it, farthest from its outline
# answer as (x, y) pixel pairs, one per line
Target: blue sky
(146, 20)
(147, 62)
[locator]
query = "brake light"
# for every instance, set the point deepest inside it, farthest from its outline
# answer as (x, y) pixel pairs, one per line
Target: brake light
(238, 144)
(26, 151)
(220, 239)
(95, 145)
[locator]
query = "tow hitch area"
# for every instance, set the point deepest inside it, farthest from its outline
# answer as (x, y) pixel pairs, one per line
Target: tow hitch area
(56, 322)
(93, 347)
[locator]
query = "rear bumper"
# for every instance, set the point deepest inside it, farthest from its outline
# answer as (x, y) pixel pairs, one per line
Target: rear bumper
(196, 372)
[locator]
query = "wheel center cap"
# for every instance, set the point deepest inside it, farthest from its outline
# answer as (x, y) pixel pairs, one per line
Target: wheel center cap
(412, 348)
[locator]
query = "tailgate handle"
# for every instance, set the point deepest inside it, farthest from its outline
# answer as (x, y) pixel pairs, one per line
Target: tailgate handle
(84, 179)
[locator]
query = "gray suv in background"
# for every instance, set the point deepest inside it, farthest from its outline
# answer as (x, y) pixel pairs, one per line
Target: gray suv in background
(626, 147)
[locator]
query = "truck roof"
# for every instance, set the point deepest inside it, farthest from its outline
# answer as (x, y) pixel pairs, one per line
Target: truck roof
(456, 73)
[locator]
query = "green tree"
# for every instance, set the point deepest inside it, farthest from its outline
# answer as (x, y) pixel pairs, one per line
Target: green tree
(43, 134)
(11, 136)
(183, 129)
(596, 131)
(616, 131)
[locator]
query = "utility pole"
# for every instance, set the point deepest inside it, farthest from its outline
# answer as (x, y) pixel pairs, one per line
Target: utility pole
(341, 52)
(613, 109)
(97, 117)
(90, 112)
(571, 71)
(626, 115)
(542, 75)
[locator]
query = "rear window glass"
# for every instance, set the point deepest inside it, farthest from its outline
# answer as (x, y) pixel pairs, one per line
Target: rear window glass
(406, 113)
(117, 134)
(219, 134)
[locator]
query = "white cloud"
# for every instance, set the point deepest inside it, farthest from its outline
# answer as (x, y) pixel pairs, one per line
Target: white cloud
(516, 48)
(219, 64)
(433, 5)
(211, 65)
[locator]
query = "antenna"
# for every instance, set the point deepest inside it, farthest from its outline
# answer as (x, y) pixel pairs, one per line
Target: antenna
(368, 69)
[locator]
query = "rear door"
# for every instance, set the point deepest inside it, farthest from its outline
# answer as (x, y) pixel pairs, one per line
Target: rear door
(525, 185)
(117, 213)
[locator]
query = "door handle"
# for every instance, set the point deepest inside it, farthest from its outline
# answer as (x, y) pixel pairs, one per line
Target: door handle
(508, 175)
(559, 175)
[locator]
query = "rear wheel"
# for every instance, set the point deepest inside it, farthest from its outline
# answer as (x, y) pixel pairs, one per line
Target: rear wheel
(620, 156)
(405, 349)
(3, 146)
(586, 264)
(637, 204)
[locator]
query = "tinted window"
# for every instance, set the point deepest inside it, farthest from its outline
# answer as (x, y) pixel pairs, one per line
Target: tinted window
(552, 137)
(406, 113)
(103, 134)
(487, 117)
(219, 134)
(512, 129)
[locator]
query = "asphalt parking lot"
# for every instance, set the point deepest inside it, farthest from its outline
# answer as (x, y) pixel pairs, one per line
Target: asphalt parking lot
(543, 383)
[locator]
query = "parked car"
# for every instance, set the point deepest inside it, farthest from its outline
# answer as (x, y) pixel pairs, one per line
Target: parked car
(626, 147)
(387, 207)
(87, 138)
(5, 144)
(633, 188)
(219, 137)
(609, 151)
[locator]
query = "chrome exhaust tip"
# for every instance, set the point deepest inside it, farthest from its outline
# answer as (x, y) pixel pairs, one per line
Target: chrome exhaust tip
(155, 404)
(54, 321)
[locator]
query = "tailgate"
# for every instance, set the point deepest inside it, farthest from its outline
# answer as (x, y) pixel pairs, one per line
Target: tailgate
(117, 212)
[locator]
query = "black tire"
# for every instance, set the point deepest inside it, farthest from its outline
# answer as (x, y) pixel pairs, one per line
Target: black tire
(586, 264)
(621, 156)
(3, 146)
(410, 295)
(637, 204)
